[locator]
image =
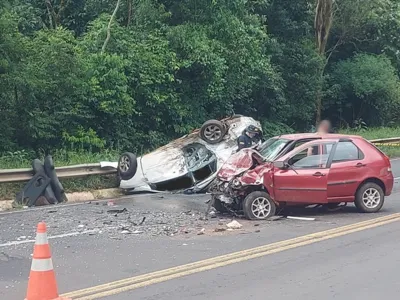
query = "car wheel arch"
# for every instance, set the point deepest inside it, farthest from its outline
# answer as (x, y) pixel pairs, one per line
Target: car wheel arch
(373, 180)
(262, 188)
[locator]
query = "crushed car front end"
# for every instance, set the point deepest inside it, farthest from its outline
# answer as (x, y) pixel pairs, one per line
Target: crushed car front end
(243, 173)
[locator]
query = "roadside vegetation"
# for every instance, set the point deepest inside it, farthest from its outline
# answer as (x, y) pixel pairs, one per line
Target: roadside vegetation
(76, 76)
(23, 159)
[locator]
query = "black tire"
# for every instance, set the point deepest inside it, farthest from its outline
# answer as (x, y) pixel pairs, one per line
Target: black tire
(38, 167)
(369, 205)
(251, 199)
(55, 183)
(213, 131)
(127, 165)
(219, 206)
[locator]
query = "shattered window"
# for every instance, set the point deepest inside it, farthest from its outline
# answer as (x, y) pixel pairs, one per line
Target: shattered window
(272, 149)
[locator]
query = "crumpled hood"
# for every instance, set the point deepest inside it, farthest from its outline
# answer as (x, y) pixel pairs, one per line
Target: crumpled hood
(238, 163)
(256, 176)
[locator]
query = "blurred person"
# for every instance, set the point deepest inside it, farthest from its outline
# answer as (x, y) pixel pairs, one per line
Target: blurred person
(246, 139)
(324, 127)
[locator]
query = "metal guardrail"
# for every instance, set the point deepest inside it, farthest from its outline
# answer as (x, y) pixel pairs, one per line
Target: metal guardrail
(18, 175)
(395, 140)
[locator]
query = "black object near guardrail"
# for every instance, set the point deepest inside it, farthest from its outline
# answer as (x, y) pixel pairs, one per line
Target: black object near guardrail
(44, 184)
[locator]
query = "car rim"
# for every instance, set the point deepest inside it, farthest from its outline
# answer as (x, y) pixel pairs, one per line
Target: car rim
(212, 132)
(124, 164)
(371, 198)
(260, 207)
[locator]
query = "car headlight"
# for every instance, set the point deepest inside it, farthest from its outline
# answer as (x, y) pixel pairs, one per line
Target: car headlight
(236, 183)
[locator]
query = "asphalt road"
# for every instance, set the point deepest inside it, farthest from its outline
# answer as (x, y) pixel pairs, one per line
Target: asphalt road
(89, 248)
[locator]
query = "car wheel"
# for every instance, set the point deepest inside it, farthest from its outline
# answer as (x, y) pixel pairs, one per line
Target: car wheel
(369, 198)
(213, 131)
(127, 165)
(258, 206)
(219, 206)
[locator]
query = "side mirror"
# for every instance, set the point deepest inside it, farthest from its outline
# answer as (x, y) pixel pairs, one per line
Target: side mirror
(281, 165)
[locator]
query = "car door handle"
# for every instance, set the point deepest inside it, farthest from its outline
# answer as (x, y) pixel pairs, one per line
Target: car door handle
(359, 165)
(318, 174)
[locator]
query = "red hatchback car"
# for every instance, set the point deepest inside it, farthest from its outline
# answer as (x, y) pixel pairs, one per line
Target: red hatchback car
(303, 169)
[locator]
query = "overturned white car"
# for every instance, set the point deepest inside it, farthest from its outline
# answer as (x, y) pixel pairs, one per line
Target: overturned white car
(189, 162)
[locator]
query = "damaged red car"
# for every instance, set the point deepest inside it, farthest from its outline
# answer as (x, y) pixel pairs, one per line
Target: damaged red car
(303, 169)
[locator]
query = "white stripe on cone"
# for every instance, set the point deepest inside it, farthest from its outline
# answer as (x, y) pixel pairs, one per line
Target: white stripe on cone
(42, 265)
(41, 239)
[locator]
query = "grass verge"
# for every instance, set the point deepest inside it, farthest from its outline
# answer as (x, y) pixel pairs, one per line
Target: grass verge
(374, 133)
(379, 133)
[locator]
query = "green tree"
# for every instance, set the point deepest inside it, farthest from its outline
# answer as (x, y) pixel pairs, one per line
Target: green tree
(365, 87)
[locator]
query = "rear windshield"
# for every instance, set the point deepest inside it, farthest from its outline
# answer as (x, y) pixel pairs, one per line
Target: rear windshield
(376, 148)
(272, 148)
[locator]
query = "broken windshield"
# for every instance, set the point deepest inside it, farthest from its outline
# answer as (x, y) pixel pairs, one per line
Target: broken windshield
(272, 148)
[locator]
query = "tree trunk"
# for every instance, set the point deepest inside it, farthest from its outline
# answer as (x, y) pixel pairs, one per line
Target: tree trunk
(109, 27)
(322, 24)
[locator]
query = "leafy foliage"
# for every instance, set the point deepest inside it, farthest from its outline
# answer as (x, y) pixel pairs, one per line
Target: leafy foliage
(171, 65)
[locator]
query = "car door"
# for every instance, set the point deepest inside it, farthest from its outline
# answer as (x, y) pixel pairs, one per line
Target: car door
(305, 178)
(347, 171)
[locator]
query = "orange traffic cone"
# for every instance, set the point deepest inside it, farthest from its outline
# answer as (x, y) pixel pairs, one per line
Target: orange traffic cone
(42, 283)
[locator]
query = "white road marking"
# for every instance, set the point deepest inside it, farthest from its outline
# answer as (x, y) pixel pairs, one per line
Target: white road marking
(46, 207)
(64, 205)
(14, 243)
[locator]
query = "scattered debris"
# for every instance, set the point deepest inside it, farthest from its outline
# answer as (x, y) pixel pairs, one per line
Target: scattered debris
(301, 218)
(234, 225)
(202, 231)
(81, 226)
(51, 211)
(219, 229)
(117, 211)
(257, 231)
(110, 203)
(212, 214)
(255, 225)
(137, 232)
(4, 256)
(126, 232)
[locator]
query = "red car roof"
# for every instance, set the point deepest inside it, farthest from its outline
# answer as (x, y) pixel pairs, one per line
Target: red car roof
(298, 136)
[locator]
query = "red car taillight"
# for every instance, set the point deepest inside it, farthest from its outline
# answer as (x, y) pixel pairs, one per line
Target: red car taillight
(387, 161)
